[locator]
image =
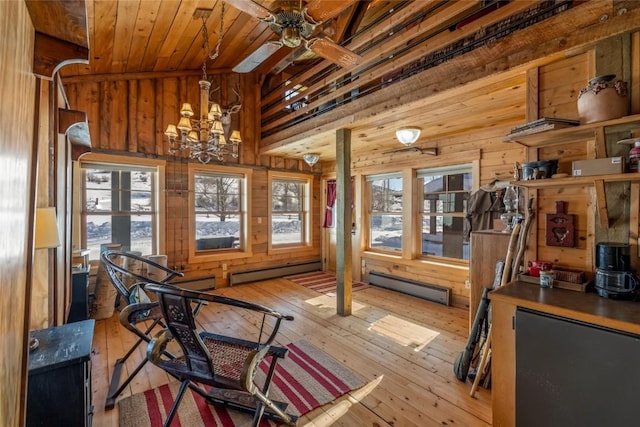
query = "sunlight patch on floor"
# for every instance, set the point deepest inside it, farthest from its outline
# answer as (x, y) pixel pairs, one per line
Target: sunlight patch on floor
(403, 332)
(330, 301)
(341, 407)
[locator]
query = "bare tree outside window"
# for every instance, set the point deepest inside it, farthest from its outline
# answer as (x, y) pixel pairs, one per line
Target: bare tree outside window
(218, 210)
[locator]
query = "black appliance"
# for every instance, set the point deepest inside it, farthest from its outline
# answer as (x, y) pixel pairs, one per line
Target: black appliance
(614, 278)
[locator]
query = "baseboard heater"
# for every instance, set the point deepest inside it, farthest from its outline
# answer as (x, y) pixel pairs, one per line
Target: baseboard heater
(418, 289)
(197, 283)
(240, 277)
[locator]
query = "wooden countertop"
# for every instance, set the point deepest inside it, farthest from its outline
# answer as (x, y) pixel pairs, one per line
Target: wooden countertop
(586, 307)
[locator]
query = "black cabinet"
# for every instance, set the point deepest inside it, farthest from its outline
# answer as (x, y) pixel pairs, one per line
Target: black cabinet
(79, 309)
(570, 373)
(59, 384)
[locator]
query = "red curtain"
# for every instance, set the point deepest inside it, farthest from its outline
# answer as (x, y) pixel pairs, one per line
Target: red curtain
(331, 202)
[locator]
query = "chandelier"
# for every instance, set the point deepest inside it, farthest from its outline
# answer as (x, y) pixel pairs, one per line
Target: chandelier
(207, 135)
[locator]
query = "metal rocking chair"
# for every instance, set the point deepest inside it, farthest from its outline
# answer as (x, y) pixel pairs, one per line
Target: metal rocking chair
(226, 364)
(138, 317)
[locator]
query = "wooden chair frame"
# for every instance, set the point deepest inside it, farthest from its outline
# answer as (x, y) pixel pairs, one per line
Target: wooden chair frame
(139, 318)
(226, 364)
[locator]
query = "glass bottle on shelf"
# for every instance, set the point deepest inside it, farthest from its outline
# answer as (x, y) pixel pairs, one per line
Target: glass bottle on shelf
(511, 216)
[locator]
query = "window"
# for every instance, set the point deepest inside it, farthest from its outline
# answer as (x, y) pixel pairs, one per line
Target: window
(445, 192)
(290, 210)
(119, 206)
(385, 212)
(219, 206)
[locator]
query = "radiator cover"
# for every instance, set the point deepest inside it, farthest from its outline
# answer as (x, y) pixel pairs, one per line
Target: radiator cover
(418, 289)
(240, 277)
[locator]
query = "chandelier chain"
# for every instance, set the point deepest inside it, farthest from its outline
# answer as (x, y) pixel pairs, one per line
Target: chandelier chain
(211, 54)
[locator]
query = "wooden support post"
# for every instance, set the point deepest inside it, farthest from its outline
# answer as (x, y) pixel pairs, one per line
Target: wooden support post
(343, 222)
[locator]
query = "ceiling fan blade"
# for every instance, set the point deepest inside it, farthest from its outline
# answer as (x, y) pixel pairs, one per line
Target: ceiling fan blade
(321, 10)
(334, 52)
(253, 9)
(257, 57)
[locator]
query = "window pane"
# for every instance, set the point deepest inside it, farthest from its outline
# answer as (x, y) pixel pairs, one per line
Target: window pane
(286, 228)
(218, 211)
(135, 230)
(217, 231)
(386, 195)
(119, 209)
(443, 236)
(287, 196)
(385, 232)
(444, 204)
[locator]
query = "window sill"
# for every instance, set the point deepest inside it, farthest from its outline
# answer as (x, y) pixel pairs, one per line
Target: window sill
(463, 265)
(217, 256)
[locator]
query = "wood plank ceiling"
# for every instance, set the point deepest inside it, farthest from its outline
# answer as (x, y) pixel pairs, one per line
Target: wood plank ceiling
(141, 36)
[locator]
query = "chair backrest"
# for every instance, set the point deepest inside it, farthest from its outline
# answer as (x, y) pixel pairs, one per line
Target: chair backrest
(178, 313)
(123, 277)
(177, 304)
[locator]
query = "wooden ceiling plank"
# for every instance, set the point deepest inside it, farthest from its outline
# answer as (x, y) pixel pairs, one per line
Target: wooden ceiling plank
(104, 36)
(125, 24)
(166, 12)
(145, 21)
(190, 53)
(182, 22)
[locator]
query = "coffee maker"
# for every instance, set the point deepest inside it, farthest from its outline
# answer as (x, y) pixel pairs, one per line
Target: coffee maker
(614, 278)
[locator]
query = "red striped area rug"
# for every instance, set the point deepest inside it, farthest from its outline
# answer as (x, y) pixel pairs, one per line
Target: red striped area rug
(307, 379)
(322, 282)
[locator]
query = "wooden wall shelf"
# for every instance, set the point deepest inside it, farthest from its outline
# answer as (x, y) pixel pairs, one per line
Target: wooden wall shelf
(577, 180)
(575, 133)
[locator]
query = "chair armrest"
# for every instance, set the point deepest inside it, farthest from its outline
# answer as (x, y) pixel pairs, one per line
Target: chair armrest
(138, 312)
(158, 345)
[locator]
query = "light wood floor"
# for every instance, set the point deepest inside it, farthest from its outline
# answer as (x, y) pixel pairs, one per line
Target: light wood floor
(403, 347)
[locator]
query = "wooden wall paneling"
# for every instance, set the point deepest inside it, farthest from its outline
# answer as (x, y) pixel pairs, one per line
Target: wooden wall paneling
(147, 130)
(634, 81)
(19, 152)
(168, 101)
(132, 119)
(560, 82)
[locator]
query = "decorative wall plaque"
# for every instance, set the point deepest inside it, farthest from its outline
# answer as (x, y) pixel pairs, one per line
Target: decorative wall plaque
(560, 227)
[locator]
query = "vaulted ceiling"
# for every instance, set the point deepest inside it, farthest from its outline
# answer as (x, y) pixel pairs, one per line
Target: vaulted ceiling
(462, 92)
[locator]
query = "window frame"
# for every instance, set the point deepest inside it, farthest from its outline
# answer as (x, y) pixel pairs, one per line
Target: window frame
(79, 231)
(306, 214)
(444, 171)
(369, 212)
(244, 250)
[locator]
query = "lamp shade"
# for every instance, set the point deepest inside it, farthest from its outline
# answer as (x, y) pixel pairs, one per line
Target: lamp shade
(408, 136)
(47, 235)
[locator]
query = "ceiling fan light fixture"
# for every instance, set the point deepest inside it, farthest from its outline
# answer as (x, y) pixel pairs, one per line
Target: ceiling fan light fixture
(291, 37)
(311, 158)
(408, 135)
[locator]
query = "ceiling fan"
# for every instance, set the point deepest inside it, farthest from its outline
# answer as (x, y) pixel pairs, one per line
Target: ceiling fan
(295, 27)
